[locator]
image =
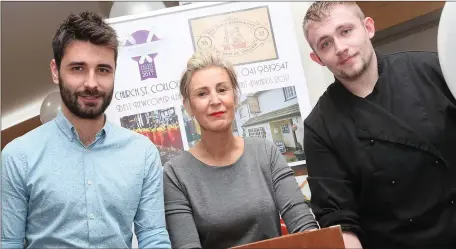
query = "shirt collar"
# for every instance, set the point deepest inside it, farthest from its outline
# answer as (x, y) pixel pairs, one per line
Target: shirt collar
(68, 129)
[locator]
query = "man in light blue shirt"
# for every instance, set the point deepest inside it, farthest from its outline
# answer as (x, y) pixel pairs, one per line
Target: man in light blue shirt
(79, 181)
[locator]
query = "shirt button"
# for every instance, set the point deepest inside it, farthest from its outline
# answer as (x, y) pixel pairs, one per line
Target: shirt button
(451, 202)
(372, 141)
(411, 220)
(393, 182)
(89, 182)
(91, 216)
(436, 162)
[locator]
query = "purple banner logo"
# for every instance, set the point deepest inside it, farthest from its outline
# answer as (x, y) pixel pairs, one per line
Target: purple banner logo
(146, 63)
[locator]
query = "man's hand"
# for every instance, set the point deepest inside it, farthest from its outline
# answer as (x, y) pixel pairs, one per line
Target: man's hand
(351, 240)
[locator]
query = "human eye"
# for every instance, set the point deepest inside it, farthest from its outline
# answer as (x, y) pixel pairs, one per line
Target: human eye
(201, 94)
(346, 31)
(76, 68)
(325, 44)
(223, 88)
(104, 70)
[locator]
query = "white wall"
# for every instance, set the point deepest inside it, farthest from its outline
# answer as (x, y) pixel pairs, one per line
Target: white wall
(266, 105)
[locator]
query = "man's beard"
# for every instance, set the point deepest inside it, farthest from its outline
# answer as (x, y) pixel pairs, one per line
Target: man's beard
(355, 74)
(71, 101)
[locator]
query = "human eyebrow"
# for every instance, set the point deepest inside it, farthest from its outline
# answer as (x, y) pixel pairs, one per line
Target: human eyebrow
(76, 63)
(105, 66)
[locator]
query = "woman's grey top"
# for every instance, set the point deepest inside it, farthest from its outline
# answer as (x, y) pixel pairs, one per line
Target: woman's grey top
(220, 207)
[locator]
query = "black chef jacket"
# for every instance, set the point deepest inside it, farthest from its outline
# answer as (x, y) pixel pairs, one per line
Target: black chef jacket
(383, 166)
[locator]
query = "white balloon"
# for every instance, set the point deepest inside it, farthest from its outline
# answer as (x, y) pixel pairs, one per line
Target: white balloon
(446, 45)
(51, 105)
(131, 8)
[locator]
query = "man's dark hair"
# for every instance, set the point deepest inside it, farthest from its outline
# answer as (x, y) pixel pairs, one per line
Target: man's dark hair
(86, 26)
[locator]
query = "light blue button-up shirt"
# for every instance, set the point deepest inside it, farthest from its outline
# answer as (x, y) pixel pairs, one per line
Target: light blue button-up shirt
(58, 193)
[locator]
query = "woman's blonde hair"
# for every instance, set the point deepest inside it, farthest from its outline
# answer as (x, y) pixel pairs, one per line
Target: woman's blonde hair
(204, 59)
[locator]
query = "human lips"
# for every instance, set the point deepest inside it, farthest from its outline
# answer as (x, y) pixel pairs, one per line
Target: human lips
(346, 60)
(90, 99)
(217, 114)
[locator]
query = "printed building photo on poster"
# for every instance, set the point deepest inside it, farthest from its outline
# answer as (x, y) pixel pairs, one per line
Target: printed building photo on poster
(161, 127)
(273, 114)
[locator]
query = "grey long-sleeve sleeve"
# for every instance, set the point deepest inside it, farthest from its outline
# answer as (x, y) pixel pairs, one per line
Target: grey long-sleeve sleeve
(289, 198)
(179, 216)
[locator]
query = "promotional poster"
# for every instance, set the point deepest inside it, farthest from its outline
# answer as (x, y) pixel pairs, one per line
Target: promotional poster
(257, 38)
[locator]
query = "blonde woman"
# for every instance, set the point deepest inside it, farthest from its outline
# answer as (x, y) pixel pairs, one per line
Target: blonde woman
(227, 190)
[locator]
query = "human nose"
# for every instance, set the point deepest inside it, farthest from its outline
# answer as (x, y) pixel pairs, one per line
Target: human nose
(91, 81)
(341, 47)
(214, 99)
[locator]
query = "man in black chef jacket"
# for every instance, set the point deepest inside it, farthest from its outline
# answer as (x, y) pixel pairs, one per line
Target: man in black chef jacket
(381, 141)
